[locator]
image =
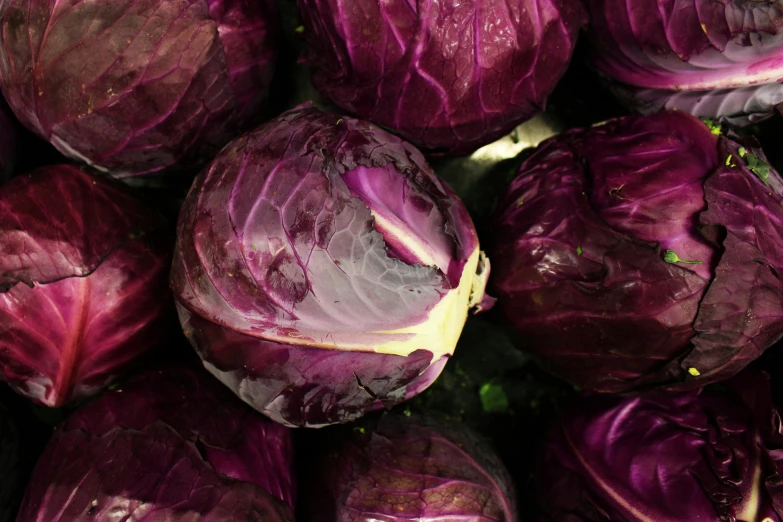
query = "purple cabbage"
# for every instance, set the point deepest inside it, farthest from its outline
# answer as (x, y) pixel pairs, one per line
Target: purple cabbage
(137, 86)
(83, 268)
(713, 59)
(643, 252)
(202, 454)
(738, 106)
(711, 455)
(323, 270)
(402, 468)
(447, 76)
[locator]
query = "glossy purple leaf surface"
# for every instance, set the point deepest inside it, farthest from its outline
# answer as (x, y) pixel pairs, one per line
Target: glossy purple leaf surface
(321, 268)
(642, 252)
(708, 455)
(403, 468)
(168, 445)
(137, 86)
(713, 59)
(83, 269)
(687, 44)
(738, 106)
(448, 76)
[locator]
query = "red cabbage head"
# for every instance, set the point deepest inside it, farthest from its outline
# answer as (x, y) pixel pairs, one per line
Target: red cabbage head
(83, 269)
(647, 251)
(401, 468)
(322, 269)
(713, 59)
(712, 455)
(136, 86)
(169, 445)
(448, 76)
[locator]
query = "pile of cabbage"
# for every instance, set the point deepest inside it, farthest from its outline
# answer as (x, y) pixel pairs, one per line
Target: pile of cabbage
(331, 260)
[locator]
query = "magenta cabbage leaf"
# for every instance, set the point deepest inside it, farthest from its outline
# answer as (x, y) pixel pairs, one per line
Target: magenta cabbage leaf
(713, 59)
(737, 106)
(448, 76)
(322, 269)
(645, 251)
(712, 455)
(168, 445)
(83, 269)
(135, 86)
(403, 468)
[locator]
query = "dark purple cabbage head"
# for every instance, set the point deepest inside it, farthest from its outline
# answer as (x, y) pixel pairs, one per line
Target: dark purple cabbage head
(83, 269)
(400, 468)
(136, 86)
(448, 76)
(168, 445)
(644, 251)
(715, 59)
(711, 455)
(10, 465)
(322, 269)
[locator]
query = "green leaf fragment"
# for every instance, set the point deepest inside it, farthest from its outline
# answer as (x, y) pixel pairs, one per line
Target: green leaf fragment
(670, 256)
(728, 160)
(714, 126)
(759, 167)
(299, 30)
(742, 151)
(579, 250)
(493, 398)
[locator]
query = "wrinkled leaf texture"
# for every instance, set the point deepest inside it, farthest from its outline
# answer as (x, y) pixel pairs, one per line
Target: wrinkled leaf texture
(168, 445)
(687, 44)
(739, 106)
(448, 76)
(403, 468)
(287, 280)
(136, 86)
(578, 255)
